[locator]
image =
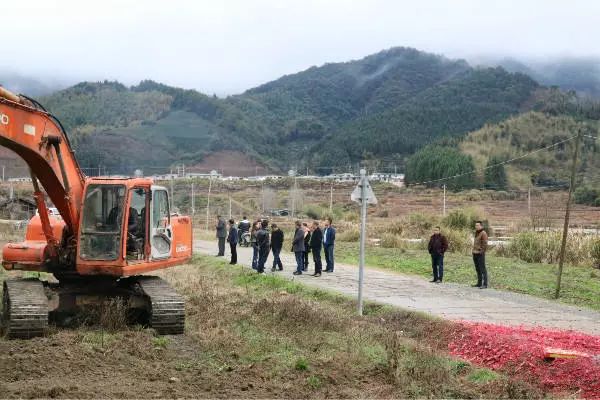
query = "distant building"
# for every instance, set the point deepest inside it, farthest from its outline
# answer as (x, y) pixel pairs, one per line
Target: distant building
(211, 175)
(386, 177)
(20, 179)
(346, 177)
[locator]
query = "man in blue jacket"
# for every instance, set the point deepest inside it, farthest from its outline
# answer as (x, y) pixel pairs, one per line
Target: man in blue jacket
(328, 244)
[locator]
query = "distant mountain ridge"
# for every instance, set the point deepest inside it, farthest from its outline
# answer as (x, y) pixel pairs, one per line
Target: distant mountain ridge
(384, 106)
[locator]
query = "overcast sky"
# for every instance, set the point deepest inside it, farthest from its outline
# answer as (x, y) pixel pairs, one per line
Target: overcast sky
(225, 47)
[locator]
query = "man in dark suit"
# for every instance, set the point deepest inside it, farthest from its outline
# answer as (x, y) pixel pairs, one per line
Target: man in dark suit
(307, 233)
(328, 244)
(232, 238)
(263, 244)
(316, 243)
(298, 248)
(221, 235)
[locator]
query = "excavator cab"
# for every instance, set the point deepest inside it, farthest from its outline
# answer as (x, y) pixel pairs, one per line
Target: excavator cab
(120, 237)
(112, 232)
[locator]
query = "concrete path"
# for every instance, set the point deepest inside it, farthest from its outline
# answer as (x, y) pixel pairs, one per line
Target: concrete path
(448, 300)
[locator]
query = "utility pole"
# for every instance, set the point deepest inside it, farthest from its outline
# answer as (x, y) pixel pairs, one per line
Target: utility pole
(171, 182)
(363, 226)
(208, 202)
(331, 199)
(294, 190)
(193, 208)
(230, 206)
(444, 211)
(529, 201)
(3, 173)
(262, 195)
(563, 244)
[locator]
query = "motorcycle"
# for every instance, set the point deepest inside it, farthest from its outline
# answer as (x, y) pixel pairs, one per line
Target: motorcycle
(245, 239)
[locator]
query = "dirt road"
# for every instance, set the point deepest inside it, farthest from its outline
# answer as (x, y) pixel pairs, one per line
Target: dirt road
(451, 301)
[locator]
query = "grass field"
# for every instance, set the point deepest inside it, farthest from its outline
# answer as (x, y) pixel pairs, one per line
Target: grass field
(252, 336)
(580, 285)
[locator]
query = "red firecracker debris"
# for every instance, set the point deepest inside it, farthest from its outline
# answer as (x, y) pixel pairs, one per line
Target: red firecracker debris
(522, 352)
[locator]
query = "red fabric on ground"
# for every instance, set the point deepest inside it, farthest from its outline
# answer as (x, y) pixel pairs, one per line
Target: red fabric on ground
(520, 351)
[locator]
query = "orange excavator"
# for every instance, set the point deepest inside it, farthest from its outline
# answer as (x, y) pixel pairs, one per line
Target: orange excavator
(110, 233)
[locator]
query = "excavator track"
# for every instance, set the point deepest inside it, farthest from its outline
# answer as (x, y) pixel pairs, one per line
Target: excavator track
(24, 309)
(167, 307)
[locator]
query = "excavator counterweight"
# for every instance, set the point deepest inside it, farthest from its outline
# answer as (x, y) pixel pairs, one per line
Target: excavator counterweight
(110, 230)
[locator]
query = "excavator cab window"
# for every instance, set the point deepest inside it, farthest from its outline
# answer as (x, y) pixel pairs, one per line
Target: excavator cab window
(136, 224)
(101, 229)
(161, 234)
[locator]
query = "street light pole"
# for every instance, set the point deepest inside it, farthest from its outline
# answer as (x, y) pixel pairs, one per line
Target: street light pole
(363, 226)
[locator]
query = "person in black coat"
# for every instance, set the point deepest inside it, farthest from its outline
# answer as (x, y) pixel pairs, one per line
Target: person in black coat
(438, 244)
(232, 239)
(276, 245)
(298, 248)
(316, 243)
(263, 244)
(306, 244)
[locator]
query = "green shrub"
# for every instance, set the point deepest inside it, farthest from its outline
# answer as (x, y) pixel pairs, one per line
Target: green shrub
(351, 216)
(587, 195)
(349, 235)
(390, 241)
(301, 364)
(420, 223)
(595, 252)
(395, 228)
(314, 382)
(314, 212)
(545, 247)
(528, 246)
(459, 241)
(457, 219)
(465, 219)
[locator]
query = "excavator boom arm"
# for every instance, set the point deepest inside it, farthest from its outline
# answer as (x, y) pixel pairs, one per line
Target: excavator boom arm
(39, 139)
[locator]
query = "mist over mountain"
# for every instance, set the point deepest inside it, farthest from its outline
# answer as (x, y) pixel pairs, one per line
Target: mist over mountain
(30, 86)
(581, 74)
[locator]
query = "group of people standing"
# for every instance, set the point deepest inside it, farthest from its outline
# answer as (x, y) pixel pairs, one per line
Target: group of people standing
(312, 239)
(264, 240)
(438, 245)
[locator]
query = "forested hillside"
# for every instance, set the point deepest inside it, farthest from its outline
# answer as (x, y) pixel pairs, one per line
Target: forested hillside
(525, 133)
(385, 105)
